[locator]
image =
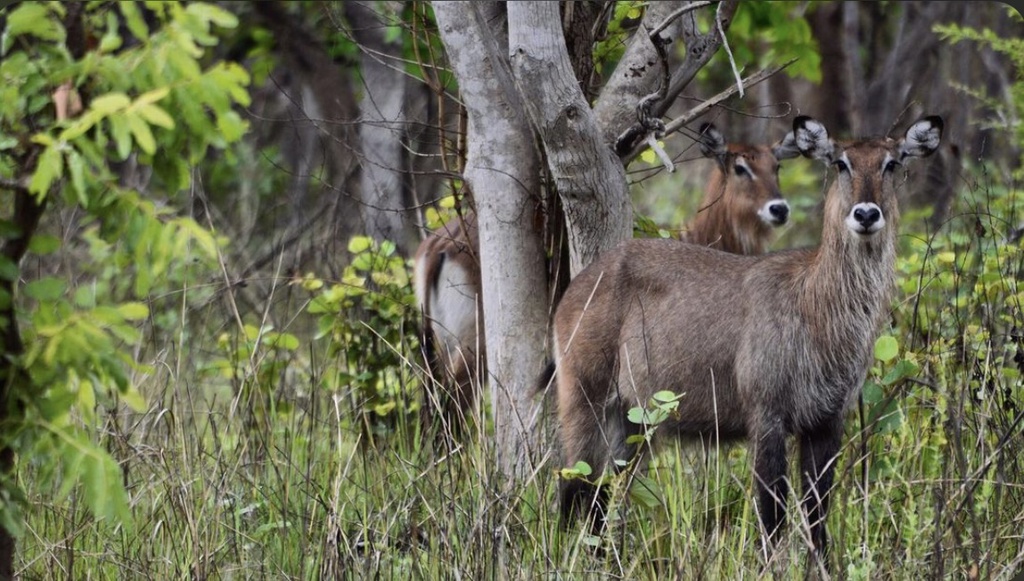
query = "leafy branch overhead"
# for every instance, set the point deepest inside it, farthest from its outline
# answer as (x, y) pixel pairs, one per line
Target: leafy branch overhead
(87, 89)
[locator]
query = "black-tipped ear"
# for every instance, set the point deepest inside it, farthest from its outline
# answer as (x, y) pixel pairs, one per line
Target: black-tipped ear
(712, 142)
(812, 140)
(923, 138)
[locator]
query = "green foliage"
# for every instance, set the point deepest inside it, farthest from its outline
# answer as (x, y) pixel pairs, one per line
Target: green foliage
(610, 49)
(369, 320)
(1013, 48)
(766, 34)
(80, 334)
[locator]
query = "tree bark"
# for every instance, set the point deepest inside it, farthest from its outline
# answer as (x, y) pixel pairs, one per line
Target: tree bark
(700, 47)
(382, 126)
(589, 177)
(638, 74)
(501, 170)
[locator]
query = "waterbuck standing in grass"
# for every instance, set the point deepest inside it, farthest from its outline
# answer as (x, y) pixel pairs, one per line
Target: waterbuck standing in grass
(760, 347)
(741, 205)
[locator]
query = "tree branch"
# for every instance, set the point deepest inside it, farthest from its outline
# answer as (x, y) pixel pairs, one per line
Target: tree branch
(677, 123)
(699, 50)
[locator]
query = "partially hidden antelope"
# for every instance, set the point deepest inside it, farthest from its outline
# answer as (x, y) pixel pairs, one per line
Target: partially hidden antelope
(759, 347)
(742, 203)
(446, 277)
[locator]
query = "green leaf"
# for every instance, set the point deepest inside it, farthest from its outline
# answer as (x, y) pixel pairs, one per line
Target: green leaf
(46, 289)
(76, 167)
(8, 269)
(902, 370)
(886, 348)
(150, 97)
(583, 468)
(360, 244)
(34, 19)
(43, 244)
(141, 132)
(231, 126)
(646, 491)
(111, 40)
(121, 134)
(110, 103)
(666, 396)
(133, 19)
(214, 14)
(133, 399)
(133, 311)
(156, 116)
(286, 341)
(49, 168)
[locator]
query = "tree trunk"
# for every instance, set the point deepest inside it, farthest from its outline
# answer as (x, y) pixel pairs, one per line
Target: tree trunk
(382, 127)
(588, 175)
(638, 74)
(501, 170)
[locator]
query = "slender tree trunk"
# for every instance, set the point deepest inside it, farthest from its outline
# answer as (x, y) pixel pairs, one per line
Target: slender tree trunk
(501, 170)
(382, 127)
(586, 172)
(27, 213)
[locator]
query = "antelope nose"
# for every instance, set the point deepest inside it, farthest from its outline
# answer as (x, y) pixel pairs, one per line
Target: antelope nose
(867, 215)
(779, 211)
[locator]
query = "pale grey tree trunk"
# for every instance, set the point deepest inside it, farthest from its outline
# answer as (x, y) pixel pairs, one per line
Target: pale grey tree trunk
(382, 125)
(501, 170)
(638, 74)
(589, 177)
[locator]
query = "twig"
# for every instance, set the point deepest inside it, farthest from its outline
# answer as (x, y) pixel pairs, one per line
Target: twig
(668, 19)
(725, 44)
(19, 185)
(699, 110)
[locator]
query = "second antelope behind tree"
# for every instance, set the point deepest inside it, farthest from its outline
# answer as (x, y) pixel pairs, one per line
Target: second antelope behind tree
(742, 203)
(760, 347)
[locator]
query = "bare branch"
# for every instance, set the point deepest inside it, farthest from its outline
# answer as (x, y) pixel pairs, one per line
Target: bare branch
(706, 105)
(676, 14)
(699, 50)
(19, 186)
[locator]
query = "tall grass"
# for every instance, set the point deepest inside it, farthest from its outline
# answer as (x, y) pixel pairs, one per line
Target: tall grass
(259, 459)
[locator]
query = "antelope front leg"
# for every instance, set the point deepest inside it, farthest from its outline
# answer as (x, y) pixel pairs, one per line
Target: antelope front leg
(818, 451)
(770, 477)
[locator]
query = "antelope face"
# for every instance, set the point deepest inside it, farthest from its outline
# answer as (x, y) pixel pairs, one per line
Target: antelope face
(752, 178)
(866, 170)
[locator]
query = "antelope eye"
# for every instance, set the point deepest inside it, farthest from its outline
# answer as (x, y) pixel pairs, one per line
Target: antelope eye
(891, 165)
(741, 170)
(841, 165)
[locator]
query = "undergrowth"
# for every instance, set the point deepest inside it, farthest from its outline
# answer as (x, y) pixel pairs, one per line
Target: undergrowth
(268, 452)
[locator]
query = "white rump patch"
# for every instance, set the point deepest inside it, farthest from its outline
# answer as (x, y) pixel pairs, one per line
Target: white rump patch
(453, 308)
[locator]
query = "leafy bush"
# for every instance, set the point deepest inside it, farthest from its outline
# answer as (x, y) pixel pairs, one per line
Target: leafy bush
(369, 319)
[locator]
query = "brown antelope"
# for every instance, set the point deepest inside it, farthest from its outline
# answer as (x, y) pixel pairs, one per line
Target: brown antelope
(447, 284)
(759, 347)
(742, 201)
(741, 204)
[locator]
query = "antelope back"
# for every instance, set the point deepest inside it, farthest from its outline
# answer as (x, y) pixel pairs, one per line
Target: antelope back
(447, 283)
(742, 202)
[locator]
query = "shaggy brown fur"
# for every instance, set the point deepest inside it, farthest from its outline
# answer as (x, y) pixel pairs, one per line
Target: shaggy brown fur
(761, 348)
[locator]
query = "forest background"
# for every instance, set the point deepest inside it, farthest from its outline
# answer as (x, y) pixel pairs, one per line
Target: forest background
(212, 361)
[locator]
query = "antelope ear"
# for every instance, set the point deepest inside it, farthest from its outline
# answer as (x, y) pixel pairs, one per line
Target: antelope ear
(922, 139)
(811, 139)
(786, 148)
(712, 142)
